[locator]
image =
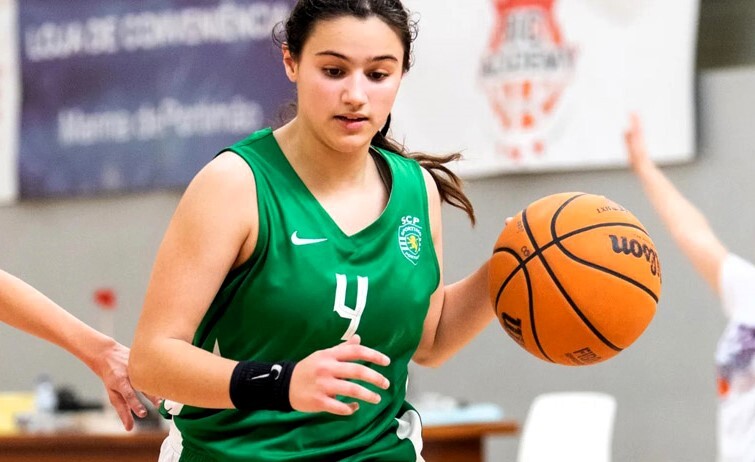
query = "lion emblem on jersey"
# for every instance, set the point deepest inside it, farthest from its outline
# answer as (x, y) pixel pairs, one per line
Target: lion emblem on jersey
(410, 238)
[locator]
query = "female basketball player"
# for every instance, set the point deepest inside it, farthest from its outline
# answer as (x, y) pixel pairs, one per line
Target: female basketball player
(25, 308)
(302, 269)
(732, 278)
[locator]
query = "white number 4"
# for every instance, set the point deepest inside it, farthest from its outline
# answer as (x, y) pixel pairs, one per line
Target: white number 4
(352, 314)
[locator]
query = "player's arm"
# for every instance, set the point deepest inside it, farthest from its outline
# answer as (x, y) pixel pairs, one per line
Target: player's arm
(687, 225)
(212, 231)
(201, 245)
(459, 311)
(27, 309)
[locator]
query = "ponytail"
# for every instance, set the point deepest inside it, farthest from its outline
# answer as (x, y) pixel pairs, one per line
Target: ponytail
(448, 183)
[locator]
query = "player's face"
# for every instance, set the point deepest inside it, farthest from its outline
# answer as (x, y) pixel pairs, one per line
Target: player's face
(347, 78)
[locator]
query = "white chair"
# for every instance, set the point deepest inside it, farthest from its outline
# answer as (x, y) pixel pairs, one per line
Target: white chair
(568, 427)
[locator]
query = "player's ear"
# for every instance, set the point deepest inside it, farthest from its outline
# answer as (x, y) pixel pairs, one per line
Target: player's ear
(290, 64)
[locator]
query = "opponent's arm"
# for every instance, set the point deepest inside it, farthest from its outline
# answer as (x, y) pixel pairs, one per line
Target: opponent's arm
(27, 309)
(458, 312)
(687, 225)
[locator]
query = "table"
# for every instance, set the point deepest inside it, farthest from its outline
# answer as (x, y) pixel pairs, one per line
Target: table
(463, 442)
(137, 446)
(447, 443)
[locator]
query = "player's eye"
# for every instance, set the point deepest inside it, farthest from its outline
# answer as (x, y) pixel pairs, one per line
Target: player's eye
(377, 76)
(333, 72)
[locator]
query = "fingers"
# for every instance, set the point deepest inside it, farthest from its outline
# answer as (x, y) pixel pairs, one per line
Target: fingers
(129, 396)
(328, 402)
(634, 123)
(125, 401)
(633, 135)
(352, 351)
(334, 406)
(320, 381)
(122, 409)
(112, 368)
(351, 390)
(635, 144)
(353, 371)
(153, 399)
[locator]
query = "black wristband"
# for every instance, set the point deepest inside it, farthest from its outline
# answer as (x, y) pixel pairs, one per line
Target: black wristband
(256, 385)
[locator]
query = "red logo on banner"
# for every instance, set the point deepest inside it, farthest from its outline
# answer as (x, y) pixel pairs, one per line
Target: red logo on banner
(526, 68)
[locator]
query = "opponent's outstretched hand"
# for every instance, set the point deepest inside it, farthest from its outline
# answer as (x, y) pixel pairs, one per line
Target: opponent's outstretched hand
(635, 141)
(111, 367)
(322, 376)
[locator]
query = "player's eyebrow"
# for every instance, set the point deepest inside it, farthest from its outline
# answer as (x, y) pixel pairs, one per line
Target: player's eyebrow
(338, 55)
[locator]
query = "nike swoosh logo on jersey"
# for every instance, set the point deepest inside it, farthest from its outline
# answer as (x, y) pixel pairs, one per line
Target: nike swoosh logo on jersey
(296, 240)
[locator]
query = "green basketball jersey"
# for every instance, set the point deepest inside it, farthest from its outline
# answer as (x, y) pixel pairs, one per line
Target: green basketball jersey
(307, 287)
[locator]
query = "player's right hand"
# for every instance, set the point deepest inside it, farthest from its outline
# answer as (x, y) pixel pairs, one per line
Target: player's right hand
(322, 376)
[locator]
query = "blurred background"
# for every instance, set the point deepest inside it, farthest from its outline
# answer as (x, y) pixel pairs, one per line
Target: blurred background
(71, 244)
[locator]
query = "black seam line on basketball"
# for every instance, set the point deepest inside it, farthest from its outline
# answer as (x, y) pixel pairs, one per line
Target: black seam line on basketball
(557, 242)
(561, 288)
(609, 271)
(535, 254)
(529, 293)
(511, 275)
(535, 248)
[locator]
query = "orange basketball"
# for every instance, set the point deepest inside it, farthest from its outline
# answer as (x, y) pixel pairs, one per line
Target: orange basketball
(574, 278)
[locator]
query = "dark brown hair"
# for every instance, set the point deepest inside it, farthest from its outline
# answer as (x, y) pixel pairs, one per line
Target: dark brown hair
(294, 33)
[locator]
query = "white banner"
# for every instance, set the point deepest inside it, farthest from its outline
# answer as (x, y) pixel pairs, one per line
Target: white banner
(10, 95)
(534, 85)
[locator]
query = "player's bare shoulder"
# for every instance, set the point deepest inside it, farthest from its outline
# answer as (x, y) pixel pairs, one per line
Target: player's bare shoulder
(225, 186)
(230, 167)
(229, 176)
(221, 201)
(433, 201)
(433, 196)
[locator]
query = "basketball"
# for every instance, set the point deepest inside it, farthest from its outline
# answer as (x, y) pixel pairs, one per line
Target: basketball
(574, 278)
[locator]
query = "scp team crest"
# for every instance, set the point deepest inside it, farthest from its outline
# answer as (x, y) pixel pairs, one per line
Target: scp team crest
(525, 70)
(410, 238)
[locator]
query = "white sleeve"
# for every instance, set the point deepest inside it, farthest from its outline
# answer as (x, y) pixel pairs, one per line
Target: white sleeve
(737, 283)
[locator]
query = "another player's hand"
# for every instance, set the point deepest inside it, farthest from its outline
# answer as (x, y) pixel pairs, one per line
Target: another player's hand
(636, 149)
(112, 370)
(322, 376)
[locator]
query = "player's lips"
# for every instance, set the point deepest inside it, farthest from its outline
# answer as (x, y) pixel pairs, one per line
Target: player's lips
(352, 121)
(352, 117)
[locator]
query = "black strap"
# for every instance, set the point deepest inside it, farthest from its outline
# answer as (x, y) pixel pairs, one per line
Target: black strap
(386, 127)
(257, 385)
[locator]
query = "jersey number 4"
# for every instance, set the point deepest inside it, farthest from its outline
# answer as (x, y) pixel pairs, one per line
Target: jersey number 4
(352, 314)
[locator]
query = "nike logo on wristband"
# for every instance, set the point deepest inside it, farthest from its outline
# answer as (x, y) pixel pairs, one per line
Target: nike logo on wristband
(296, 240)
(276, 368)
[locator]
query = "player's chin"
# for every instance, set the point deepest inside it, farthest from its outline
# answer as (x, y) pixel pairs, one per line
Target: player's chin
(354, 140)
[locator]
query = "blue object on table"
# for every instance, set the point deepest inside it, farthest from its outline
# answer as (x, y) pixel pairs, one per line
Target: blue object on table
(469, 413)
